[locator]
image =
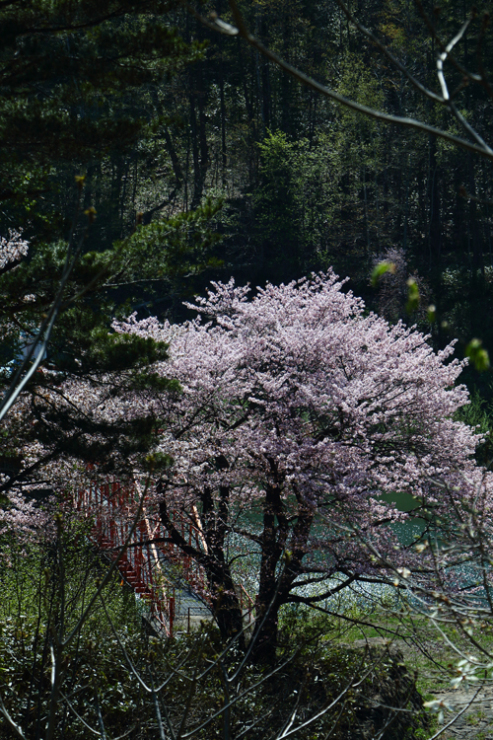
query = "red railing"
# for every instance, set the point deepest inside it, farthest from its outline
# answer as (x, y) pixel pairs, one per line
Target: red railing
(145, 565)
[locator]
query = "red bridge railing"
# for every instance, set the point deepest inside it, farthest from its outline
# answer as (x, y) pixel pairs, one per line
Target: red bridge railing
(149, 560)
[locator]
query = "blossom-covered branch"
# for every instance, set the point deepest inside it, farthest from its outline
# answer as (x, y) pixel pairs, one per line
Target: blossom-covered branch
(12, 249)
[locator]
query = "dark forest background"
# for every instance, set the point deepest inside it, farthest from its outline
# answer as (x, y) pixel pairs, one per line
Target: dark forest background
(213, 162)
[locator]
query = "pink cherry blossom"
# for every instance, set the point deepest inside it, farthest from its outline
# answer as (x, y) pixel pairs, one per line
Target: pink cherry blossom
(13, 248)
(298, 411)
(300, 417)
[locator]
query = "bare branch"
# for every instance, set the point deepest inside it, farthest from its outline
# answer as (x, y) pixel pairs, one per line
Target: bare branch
(436, 37)
(15, 728)
(443, 56)
(456, 717)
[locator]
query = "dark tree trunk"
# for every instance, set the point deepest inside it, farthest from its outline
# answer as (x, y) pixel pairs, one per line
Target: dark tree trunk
(435, 226)
(226, 605)
(283, 545)
(283, 549)
(200, 149)
(266, 96)
(177, 170)
(243, 69)
(224, 600)
(267, 602)
(474, 229)
(224, 160)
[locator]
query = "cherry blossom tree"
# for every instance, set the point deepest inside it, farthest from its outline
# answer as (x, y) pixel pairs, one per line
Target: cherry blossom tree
(300, 418)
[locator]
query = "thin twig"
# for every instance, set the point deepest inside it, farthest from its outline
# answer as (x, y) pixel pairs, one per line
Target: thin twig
(454, 719)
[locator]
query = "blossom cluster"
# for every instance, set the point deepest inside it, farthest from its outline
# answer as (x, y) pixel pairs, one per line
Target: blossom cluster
(301, 390)
(296, 403)
(13, 248)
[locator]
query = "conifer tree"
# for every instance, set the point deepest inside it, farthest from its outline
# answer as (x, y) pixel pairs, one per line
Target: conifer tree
(82, 86)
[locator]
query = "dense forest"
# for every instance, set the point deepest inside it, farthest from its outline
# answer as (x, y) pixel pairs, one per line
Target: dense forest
(190, 132)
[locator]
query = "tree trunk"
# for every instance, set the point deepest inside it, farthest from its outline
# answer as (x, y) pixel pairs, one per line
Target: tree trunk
(280, 566)
(223, 598)
(225, 603)
(200, 149)
(435, 226)
(224, 160)
(475, 231)
(214, 525)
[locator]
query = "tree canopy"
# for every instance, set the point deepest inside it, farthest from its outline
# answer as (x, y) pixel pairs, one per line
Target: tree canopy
(294, 421)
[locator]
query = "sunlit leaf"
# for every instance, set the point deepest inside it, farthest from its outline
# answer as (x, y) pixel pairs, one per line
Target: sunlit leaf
(478, 355)
(431, 314)
(413, 296)
(380, 270)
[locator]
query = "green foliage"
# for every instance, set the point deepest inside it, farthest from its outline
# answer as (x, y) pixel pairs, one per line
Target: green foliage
(357, 82)
(173, 249)
(116, 352)
(289, 206)
(413, 297)
(166, 255)
(157, 461)
(479, 414)
(431, 314)
(277, 201)
(45, 590)
(83, 91)
(71, 73)
(381, 269)
(478, 355)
